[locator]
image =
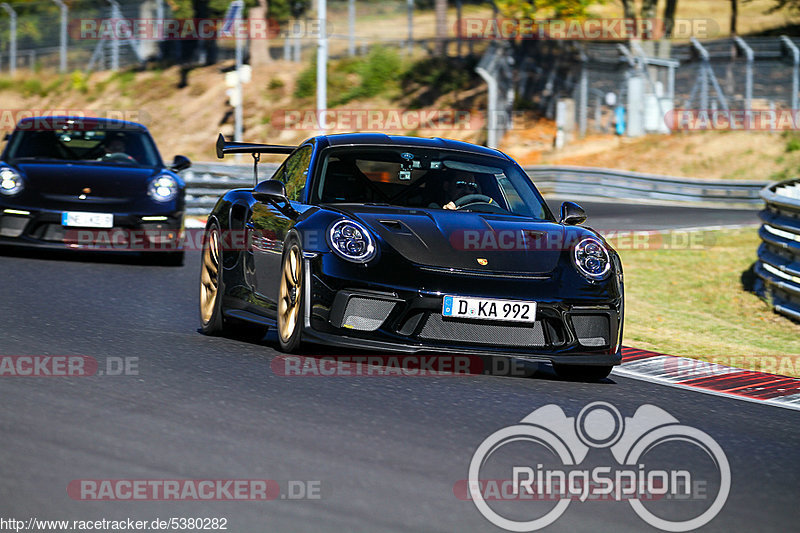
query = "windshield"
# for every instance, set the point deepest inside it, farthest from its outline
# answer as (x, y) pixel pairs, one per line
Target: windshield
(425, 178)
(108, 147)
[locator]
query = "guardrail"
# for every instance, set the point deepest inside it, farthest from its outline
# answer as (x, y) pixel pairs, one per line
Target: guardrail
(609, 183)
(207, 181)
(778, 265)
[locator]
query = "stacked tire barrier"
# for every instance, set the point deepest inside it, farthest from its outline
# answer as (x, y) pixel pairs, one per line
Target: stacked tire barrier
(778, 265)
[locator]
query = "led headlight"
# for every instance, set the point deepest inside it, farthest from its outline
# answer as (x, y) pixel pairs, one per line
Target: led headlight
(163, 188)
(10, 182)
(351, 241)
(591, 259)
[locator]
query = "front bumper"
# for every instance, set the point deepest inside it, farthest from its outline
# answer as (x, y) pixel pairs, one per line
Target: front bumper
(131, 232)
(347, 309)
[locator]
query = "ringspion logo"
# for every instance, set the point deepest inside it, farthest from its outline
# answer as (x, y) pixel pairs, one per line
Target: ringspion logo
(543, 460)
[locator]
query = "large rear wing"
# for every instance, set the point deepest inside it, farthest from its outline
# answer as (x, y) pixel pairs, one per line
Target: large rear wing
(254, 149)
(232, 147)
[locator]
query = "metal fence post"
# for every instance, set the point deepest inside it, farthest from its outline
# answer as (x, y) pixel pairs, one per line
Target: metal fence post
(410, 5)
(795, 66)
(583, 96)
(458, 27)
(62, 46)
(160, 17)
(351, 27)
(116, 14)
(238, 5)
(748, 79)
(12, 47)
(487, 69)
(322, 65)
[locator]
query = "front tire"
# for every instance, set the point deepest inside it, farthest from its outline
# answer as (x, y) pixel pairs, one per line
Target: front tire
(290, 297)
(211, 286)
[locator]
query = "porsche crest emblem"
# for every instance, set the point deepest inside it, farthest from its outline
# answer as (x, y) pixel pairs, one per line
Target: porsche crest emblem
(482, 261)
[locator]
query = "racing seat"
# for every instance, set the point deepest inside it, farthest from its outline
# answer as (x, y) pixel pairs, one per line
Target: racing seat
(344, 182)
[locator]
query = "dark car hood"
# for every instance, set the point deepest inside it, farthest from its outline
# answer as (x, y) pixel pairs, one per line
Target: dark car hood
(70, 179)
(458, 239)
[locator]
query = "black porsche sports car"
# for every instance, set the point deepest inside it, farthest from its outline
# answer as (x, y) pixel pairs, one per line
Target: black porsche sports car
(408, 244)
(90, 184)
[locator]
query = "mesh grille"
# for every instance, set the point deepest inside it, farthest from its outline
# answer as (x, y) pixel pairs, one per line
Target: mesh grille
(438, 328)
(592, 330)
(12, 226)
(366, 314)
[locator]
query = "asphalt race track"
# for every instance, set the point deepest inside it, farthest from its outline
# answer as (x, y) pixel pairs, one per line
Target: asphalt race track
(386, 451)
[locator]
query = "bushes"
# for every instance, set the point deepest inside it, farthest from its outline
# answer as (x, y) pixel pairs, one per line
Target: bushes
(349, 79)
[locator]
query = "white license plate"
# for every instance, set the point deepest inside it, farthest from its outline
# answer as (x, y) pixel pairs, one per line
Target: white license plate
(87, 220)
(489, 309)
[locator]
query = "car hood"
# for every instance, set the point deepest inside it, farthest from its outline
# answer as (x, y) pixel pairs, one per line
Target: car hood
(70, 179)
(465, 240)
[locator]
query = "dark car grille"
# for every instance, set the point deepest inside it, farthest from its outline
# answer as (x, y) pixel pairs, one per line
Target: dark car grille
(366, 314)
(11, 226)
(592, 330)
(438, 328)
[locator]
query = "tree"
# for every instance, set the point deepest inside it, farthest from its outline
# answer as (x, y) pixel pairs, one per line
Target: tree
(669, 17)
(562, 9)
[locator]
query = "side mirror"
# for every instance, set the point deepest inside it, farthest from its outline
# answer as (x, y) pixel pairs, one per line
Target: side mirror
(270, 191)
(181, 162)
(572, 214)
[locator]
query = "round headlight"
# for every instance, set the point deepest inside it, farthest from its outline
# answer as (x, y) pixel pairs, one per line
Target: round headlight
(591, 259)
(10, 182)
(351, 241)
(163, 188)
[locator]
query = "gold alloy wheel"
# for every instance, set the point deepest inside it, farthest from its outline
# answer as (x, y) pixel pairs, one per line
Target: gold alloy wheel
(209, 277)
(289, 297)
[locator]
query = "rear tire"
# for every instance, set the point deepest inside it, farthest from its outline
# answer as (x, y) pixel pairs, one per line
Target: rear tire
(211, 284)
(290, 297)
(582, 372)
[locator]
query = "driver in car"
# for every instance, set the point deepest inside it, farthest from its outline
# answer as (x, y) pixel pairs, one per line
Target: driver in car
(457, 187)
(115, 145)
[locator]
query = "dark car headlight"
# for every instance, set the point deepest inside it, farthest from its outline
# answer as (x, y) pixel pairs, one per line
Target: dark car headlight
(10, 182)
(350, 240)
(163, 188)
(592, 259)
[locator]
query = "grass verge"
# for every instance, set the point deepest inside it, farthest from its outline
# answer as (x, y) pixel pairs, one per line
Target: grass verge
(690, 301)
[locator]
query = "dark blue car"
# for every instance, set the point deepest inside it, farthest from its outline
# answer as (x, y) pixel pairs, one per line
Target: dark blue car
(90, 184)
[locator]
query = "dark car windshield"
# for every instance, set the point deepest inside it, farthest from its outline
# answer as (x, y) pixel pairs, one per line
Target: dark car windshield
(108, 147)
(426, 178)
